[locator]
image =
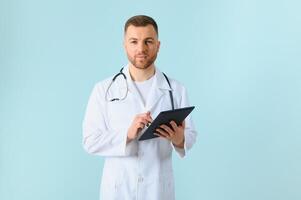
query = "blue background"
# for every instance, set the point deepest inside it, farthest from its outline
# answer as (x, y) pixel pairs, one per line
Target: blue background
(239, 60)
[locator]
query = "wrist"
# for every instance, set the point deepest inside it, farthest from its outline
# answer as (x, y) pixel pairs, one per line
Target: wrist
(128, 140)
(180, 144)
(129, 137)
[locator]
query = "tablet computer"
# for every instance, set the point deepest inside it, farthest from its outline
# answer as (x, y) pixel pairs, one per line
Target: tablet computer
(164, 117)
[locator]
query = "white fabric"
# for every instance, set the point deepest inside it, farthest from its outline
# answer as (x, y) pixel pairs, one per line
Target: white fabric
(140, 170)
(144, 88)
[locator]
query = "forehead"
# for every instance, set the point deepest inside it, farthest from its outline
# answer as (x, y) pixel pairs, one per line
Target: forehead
(140, 32)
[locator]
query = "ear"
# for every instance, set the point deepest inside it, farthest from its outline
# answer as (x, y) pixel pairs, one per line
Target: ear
(158, 48)
(123, 43)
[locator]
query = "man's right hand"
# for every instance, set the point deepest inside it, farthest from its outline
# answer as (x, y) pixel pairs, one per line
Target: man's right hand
(139, 122)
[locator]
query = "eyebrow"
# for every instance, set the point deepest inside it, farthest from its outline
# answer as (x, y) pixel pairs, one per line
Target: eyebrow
(148, 38)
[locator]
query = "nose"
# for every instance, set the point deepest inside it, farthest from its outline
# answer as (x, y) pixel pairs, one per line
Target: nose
(141, 47)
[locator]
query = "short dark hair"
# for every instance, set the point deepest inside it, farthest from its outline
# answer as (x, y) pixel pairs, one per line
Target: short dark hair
(141, 20)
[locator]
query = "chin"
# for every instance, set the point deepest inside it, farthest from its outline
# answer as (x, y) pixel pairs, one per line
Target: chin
(142, 66)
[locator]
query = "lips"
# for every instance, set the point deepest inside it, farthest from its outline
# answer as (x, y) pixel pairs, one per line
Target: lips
(141, 56)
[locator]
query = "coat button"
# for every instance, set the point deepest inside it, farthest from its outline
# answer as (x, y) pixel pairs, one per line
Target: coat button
(140, 179)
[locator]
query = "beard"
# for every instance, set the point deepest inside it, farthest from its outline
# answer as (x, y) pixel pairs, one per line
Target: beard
(142, 63)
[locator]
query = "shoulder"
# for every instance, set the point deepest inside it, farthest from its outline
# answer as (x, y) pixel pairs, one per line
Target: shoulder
(104, 82)
(100, 86)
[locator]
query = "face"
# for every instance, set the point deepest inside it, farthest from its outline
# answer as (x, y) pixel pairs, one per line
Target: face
(141, 45)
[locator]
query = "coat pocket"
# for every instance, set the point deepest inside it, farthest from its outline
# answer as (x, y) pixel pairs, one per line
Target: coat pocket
(111, 184)
(167, 185)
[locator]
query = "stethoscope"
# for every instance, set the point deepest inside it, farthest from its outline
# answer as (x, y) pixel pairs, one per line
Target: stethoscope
(127, 89)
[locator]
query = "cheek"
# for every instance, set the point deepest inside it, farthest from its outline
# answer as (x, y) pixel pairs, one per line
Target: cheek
(155, 47)
(130, 52)
(129, 49)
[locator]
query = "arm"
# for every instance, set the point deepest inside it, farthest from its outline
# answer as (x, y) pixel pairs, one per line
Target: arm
(182, 137)
(189, 131)
(98, 139)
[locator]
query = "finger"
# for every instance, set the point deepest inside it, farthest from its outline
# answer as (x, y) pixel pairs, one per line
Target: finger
(140, 125)
(167, 129)
(183, 124)
(149, 117)
(160, 135)
(174, 125)
(144, 121)
(162, 132)
(146, 117)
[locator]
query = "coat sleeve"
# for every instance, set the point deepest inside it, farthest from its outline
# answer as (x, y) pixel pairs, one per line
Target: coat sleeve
(98, 139)
(189, 132)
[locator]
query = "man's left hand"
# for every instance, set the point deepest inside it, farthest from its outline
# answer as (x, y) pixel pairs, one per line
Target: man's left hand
(174, 134)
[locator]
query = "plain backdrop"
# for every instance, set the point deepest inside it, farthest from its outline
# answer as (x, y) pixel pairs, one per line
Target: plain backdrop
(238, 59)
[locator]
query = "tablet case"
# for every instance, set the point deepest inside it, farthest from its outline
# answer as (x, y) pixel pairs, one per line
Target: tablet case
(164, 117)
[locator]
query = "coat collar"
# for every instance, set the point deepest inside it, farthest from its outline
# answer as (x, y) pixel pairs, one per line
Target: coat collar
(160, 81)
(158, 89)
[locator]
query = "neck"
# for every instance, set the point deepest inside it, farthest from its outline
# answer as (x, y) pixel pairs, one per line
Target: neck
(140, 75)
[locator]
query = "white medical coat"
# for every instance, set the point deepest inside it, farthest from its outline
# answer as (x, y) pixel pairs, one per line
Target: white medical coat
(140, 170)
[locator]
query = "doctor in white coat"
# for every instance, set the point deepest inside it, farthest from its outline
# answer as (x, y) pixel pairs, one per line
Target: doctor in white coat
(119, 111)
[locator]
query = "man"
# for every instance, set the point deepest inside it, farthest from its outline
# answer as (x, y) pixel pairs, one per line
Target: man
(118, 111)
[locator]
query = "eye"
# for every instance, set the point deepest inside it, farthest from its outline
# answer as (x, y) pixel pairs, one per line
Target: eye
(133, 42)
(149, 42)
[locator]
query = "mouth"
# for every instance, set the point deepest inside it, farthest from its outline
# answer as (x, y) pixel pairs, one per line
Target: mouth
(141, 56)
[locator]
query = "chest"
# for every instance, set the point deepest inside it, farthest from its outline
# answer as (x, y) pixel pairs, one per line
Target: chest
(122, 113)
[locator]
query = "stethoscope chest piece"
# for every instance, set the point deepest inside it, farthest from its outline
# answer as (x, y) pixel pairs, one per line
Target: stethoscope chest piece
(114, 79)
